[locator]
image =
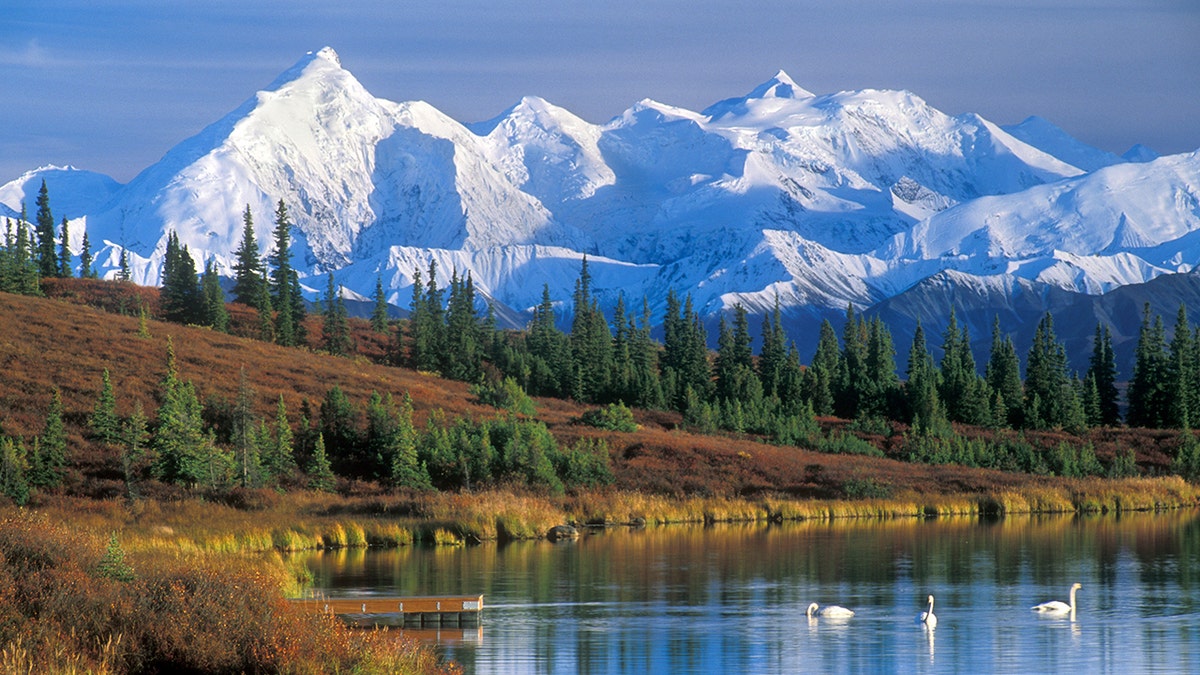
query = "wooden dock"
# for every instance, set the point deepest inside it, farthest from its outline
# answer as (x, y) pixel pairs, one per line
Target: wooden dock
(440, 611)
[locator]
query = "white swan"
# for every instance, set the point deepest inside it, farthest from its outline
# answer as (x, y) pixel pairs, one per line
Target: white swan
(1057, 606)
(927, 616)
(829, 611)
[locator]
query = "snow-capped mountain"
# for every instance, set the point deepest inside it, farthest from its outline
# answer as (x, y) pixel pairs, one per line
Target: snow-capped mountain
(819, 200)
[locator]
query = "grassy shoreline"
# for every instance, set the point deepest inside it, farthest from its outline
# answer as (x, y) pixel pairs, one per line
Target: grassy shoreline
(206, 581)
(266, 521)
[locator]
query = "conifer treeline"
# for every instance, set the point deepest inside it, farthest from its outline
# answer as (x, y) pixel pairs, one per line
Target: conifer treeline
(29, 255)
(617, 361)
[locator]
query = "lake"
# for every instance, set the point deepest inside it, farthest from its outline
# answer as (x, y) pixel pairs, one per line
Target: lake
(732, 598)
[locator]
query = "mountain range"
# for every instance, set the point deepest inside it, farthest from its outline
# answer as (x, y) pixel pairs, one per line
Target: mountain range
(867, 198)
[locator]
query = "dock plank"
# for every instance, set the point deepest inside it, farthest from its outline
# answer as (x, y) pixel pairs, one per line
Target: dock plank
(377, 605)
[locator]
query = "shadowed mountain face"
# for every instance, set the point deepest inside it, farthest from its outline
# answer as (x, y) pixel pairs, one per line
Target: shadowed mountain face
(871, 198)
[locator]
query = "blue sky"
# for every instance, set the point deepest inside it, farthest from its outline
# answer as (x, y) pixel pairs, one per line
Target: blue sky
(111, 86)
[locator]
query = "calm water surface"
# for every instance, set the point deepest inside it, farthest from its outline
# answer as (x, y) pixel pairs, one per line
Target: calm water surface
(732, 599)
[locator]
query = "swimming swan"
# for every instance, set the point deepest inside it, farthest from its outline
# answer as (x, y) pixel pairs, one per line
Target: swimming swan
(927, 616)
(830, 611)
(1059, 607)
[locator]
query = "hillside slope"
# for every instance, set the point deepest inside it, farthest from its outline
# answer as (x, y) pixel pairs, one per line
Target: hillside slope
(47, 343)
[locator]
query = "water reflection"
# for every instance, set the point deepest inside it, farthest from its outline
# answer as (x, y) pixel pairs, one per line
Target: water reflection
(734, 598)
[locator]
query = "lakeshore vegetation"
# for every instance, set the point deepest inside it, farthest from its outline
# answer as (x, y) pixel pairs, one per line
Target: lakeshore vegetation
(150, 438)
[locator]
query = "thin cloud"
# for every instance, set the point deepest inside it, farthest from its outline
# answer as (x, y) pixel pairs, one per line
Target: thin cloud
(31, 55)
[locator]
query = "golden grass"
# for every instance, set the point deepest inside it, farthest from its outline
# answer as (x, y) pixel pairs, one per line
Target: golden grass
(174, 608)
(306, 521)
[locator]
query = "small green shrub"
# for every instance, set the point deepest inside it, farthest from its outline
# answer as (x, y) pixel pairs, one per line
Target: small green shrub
(865, 488)
(505, 395)
(613, 417)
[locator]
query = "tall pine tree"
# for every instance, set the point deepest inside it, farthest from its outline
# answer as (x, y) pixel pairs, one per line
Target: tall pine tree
(1050, 399)
(47, 259)
(285, 285)
(921, 387)
(1148, 385)
(336, 325)
(591, 343)
(1181, 375)
(379, 314)
(182, 301)
(1102, 370)
(248, 273)
(64, 251)
(215, 315)
(1003, 376)
(86, 259)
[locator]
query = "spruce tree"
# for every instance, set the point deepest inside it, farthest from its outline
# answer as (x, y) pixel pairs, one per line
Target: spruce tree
(1181, 374)
(104, 422)
(881, 388)
(320, 474)
(1102, 371)
(822, 374)
(64, 251)
(181, 447)
(620, 376)
(685, 353)
(381, 435)
(549, 352)
(47, 259)
(1051, 400)
(215, 314)
(1090, 400)
(248, 273)
(182, 301)
(921, 388)
(50, 458)
(20, 270)
(299, 310)
(645, 353)
(336, 326)
(26, 264)
(851, 376)
(773, 354)
(591, 342)
(278, 458)
(285, 285)
(123, 273)
(379, 315)
(86, 270)
(1003, 374)
(6, 253)
(14, 465)
(266, 314)
(339, 427)
(416, 322)
(1147, 386)
(965, 395)
(462, 355)
(427, 323)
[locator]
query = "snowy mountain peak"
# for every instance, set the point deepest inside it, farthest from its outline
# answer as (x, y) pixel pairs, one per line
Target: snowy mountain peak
(779, 89)
(1045, 136)
(1140, 153)
(779, 86)
(318, 64)
(327, 54)
(850, 197)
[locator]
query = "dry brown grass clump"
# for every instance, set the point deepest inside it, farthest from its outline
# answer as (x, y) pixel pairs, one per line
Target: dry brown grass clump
(69, 603)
